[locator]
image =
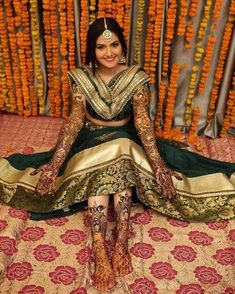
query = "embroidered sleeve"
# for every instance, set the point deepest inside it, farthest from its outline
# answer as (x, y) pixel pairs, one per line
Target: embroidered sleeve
(144, 126)
(71, 128)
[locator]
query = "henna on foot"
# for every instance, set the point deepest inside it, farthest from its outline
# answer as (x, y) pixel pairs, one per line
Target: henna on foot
(104, 278)
(121, 260)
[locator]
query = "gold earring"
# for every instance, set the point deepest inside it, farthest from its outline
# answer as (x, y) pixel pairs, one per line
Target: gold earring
(90, 65)
(122, 60)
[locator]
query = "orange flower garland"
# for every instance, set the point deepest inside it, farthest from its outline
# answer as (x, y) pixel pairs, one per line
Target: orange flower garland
(71, 34)
(126, 19)
(193, 8)
(182, 18)
(171, 100)
(219, 69)
(10, 97)
(101, 8)
(31, 106)
(55, 60)
(83, 28)
(37, 57)
(229, 118)
(156, 39)
(149, 37)
(62, 8)
(170, 23)
(120, 12)
(49, 54)
(3, 86)
(189, 35)
(217, 10)
(15, 59)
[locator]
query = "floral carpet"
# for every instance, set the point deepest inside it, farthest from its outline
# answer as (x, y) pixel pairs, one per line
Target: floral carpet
(54, 256)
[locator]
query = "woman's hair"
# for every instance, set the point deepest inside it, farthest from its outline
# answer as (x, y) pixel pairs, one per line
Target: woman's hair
(95, 30)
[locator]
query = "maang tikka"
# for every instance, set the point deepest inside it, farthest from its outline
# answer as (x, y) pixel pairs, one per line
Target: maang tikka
(107, 34)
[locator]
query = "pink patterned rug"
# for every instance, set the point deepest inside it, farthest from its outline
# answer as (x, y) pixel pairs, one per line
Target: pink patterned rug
(54, 257)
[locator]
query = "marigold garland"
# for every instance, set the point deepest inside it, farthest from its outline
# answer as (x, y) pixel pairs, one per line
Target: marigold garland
(14, 58)
(193, 8)
(172, 90)
(149, 36)
(139, 30)
(217, 9)
(71, 34)
(101, 8)
(10, 96)
(126, 19)
(92, 11)
(206, 63)
(3, 85)
(32, 104)
(83, 28)
(219, 69)
(229, 118)
(49, 53)
(36, 55)
(182, 18)
(170, 24)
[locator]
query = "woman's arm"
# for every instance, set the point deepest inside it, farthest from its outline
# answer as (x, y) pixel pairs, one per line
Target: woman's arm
(145, 131)
(67, 136)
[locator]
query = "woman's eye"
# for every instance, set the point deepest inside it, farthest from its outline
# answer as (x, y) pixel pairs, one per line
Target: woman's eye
(115, 45)
(99, 47)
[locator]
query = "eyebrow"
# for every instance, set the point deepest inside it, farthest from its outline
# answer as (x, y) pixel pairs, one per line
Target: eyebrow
(99, 44)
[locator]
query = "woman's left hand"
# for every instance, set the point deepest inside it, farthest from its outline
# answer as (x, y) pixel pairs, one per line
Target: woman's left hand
(164, 179)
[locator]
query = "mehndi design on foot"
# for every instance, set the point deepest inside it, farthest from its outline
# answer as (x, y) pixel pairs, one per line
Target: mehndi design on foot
(121, 258)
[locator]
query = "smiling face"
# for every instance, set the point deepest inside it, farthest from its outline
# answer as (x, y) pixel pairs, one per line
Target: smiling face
(108, 52)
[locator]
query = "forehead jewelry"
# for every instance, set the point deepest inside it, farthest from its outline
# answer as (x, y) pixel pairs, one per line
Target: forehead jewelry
(107, 34)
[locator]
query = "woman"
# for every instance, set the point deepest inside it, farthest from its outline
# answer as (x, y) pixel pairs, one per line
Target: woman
(107, 146)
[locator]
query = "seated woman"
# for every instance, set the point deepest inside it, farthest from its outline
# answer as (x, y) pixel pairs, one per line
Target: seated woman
(107, 147)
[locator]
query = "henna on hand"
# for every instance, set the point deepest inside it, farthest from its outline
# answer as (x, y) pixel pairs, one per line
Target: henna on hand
(145, 130)
(67, 136)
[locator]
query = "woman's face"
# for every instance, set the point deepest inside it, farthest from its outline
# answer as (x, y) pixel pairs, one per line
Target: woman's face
(108, 52)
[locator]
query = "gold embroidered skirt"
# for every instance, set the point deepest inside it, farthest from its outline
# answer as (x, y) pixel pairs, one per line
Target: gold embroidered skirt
(106, 160)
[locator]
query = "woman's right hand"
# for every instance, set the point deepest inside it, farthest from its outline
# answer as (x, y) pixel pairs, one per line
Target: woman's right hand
(46, 183)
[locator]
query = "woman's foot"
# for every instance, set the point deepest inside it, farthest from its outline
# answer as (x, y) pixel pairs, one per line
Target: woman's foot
(121, 260)
(104, 278)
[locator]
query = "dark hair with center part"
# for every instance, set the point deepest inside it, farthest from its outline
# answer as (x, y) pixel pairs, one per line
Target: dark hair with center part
(95, 30)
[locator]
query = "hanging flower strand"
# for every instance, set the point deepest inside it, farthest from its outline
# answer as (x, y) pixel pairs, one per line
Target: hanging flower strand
(37, 56)
(171, 100)
(139, 30)
(10, 97)
(83, 28)
(149, 37)
(182, 18)
(14, 57)
(197, 59)
(170, 24)
(221, 61)
(229, 118)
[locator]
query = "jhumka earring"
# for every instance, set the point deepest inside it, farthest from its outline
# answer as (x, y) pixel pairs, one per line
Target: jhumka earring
(90, 65)
(107, 34)
(122, 60)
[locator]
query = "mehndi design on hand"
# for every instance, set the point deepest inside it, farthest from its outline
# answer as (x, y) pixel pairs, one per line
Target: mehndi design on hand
(145, 130)
(67, 136)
